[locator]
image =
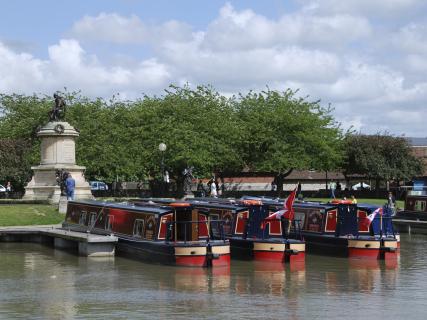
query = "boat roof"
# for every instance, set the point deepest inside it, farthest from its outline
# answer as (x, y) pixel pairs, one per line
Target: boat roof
(220, 205)
(160, 209)
(316, 204)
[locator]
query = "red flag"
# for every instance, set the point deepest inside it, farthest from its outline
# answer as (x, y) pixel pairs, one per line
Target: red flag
(287, 212)
(368, 220)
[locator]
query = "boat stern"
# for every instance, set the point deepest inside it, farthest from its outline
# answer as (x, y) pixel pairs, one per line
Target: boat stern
(372, 248)
(205, 255)
(279, 252)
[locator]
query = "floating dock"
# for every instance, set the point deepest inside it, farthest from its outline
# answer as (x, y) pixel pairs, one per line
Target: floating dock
(410, 226)
(87, 244)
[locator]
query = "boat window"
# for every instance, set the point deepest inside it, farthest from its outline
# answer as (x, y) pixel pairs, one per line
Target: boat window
(92, 219)
(228, 223)
(314, 220)
(82, 218)
(331, 221)
(300, 217)
(109, 222)
(242, 219)
(138, 228)
(275, 227)
(164, 223)
(361, 216)
(420, 205)
(150, 228)
(215, 226)
(203, 226)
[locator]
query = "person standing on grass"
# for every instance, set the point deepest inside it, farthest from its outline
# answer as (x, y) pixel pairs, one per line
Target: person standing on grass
(391, 202)
(8, 189)
(70, 185)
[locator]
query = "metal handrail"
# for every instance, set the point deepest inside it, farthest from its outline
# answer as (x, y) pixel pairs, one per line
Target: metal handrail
(171, 237)
(382, 231)
(295, 229)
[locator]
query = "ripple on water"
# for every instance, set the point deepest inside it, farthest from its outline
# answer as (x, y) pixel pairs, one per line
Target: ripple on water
(40, 282)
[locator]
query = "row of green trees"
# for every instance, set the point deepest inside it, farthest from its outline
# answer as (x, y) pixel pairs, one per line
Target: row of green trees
(268, 131)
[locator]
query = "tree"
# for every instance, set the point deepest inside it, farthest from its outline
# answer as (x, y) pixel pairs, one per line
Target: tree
(199, 128)
(14, 161)
(281, 132)
(381, 157)
(270, 131)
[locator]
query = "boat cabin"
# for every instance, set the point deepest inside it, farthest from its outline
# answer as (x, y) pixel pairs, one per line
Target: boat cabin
(159, 230)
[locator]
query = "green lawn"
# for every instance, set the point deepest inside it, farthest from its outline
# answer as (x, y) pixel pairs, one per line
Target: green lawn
(378, 202)
(29, 214)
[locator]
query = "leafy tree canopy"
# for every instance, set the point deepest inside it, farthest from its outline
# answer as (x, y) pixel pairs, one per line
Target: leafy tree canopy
(281, 132)
(268, 131)
(381, 157)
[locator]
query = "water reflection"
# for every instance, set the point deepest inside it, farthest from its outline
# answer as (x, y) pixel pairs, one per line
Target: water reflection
(39, 282)
(201, 280)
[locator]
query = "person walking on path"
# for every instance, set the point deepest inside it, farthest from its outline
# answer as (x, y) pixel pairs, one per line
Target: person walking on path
(332, 186)
(213, 188)
(201, 189)
(70, 185)
(8, 189)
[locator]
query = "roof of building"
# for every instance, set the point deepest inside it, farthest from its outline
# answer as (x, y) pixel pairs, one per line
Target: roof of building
(417, 141)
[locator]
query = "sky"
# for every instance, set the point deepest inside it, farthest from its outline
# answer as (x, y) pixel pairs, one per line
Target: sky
(367, 59)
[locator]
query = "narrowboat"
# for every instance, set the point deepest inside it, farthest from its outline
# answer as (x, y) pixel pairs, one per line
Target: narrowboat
(413, 219)
(340, 228)
(174, 234)
(243, 221)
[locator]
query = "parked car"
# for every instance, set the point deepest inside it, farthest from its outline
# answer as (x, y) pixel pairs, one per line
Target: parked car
(2, 189)
(98, 185)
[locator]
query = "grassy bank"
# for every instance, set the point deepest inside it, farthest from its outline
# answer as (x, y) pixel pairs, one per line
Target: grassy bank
(29, 214)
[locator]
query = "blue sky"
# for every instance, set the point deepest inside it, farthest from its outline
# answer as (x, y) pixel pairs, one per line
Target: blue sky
(368, 59)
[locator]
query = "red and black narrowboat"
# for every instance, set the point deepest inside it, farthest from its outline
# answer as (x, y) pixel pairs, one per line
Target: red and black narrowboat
(243, 221)
(340, 228)
(175, 233)
(413, 219)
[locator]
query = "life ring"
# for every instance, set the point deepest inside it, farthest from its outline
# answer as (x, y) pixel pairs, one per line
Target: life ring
(336, 201)
(179, 204)
(59, 128)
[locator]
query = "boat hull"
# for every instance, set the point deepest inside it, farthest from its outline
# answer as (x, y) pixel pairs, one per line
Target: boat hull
(284, 251)
(364, 248)
(179, 254)
(216, 253)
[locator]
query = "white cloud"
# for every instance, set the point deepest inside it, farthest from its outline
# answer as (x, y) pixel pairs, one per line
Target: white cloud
(336, 51)
(114, 28)
(19, 71)
(411, 38)
(377, 8)
(110, 27)
(234, 30)
(70, 66)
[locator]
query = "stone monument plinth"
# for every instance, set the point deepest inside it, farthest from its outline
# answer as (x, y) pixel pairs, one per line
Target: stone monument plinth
(57, 152)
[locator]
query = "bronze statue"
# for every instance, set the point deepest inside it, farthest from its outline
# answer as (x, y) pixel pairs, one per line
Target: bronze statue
(58, 110)
(188, 180)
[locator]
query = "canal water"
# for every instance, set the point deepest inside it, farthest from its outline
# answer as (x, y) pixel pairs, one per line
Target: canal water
(39, 282)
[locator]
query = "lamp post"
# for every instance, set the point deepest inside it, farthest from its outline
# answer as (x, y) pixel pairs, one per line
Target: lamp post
(162, 149)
